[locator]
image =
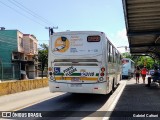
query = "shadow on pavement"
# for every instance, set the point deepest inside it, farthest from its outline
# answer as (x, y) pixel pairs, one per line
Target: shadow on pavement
(70, 105)
(137, 99)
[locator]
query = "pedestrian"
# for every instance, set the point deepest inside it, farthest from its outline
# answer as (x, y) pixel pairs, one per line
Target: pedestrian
(143, 73)
(137, 73)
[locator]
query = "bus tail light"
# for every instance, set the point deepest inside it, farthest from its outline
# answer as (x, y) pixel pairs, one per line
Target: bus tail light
(102, 71)
(101, 79)
(51, 74)
(102, 74)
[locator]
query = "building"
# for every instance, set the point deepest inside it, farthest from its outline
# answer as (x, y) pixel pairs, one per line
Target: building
(18, 55)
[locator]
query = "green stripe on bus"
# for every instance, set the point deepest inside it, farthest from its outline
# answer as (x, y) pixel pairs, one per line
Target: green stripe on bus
(59, 74)
(97, 74)
(74, 74)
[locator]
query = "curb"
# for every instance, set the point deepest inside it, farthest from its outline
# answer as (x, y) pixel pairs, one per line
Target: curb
(112, 101)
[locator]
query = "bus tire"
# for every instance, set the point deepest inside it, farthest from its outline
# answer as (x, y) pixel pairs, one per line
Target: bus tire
(120, 77)
(112, 87)
(123, 77)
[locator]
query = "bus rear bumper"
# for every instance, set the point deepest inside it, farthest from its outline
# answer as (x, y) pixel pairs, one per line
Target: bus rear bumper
(93, 88)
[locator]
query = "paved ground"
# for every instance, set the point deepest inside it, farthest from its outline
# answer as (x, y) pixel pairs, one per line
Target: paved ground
(13, 102)
(83, 106)
(136, 100)
(139, 101)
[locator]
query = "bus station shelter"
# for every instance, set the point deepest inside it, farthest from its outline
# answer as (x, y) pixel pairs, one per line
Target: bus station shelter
(142, 19)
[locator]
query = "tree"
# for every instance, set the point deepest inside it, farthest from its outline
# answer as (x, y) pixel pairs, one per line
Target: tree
(126, 55)
(142, 60)
(145, 61)
(43, 57)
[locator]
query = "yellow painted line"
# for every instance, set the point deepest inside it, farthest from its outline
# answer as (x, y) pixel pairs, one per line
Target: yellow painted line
(81, 78)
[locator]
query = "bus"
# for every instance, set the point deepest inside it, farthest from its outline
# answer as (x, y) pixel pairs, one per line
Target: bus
(83, 62)
(127, 68)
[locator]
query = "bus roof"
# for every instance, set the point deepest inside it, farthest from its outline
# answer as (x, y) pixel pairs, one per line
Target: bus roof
(77, 32)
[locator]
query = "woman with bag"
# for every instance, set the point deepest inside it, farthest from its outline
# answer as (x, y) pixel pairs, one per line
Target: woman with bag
(137, 74)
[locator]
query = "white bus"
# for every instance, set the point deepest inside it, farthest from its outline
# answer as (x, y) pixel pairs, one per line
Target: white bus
(83, 62)
(127, 68)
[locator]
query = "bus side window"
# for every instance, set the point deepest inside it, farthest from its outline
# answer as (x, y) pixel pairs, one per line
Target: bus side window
(120, 60)
(109, 53)
(114, 55)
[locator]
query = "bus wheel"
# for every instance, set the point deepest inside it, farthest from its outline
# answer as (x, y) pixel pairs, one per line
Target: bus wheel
(112, 87)
(120, 78)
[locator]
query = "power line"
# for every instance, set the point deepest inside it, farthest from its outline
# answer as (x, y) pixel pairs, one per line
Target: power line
(21, 14)
(22, 7)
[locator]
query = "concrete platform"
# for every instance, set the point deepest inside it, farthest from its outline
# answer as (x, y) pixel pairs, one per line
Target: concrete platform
(138, 102)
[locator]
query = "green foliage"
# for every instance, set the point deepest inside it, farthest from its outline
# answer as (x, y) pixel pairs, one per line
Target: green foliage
(145, 61)
(43, 56)
(142, 60)
(126, 55)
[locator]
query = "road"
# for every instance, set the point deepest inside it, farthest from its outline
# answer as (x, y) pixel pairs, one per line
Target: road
(62, 105)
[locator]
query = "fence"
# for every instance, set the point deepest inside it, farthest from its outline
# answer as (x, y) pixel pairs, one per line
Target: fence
(9, 71)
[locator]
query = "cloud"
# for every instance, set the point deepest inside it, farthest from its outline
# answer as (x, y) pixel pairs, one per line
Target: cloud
(120, 40)
(122, 35)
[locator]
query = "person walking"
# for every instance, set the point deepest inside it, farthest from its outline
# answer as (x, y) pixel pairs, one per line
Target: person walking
(137, 73)
(143, 73)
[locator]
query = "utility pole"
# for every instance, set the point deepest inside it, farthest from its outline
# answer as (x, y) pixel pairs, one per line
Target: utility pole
(2, 28)
(51, 30)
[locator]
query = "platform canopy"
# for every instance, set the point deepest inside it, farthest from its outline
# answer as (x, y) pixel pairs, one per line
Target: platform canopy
(142, 18)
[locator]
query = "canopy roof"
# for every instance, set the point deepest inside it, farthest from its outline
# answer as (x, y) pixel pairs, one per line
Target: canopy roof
(142, 19)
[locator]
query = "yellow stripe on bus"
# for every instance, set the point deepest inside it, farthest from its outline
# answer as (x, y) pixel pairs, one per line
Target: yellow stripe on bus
(81, 78)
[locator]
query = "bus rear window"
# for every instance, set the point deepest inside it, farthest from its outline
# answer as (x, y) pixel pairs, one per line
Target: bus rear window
(94, 38)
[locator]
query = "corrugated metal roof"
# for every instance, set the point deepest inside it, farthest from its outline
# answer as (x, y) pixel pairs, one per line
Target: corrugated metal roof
(142, 19)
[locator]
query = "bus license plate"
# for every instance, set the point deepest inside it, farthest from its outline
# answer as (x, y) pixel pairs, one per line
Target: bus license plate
(76, 85)
(75, 79)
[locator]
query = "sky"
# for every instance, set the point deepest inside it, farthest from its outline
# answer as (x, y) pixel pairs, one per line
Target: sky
(32, 16)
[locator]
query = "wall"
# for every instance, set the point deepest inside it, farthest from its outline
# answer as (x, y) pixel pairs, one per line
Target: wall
(21, 85)
(8, 44)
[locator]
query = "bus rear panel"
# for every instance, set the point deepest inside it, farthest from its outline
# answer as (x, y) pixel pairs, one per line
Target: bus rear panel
(78, 63)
